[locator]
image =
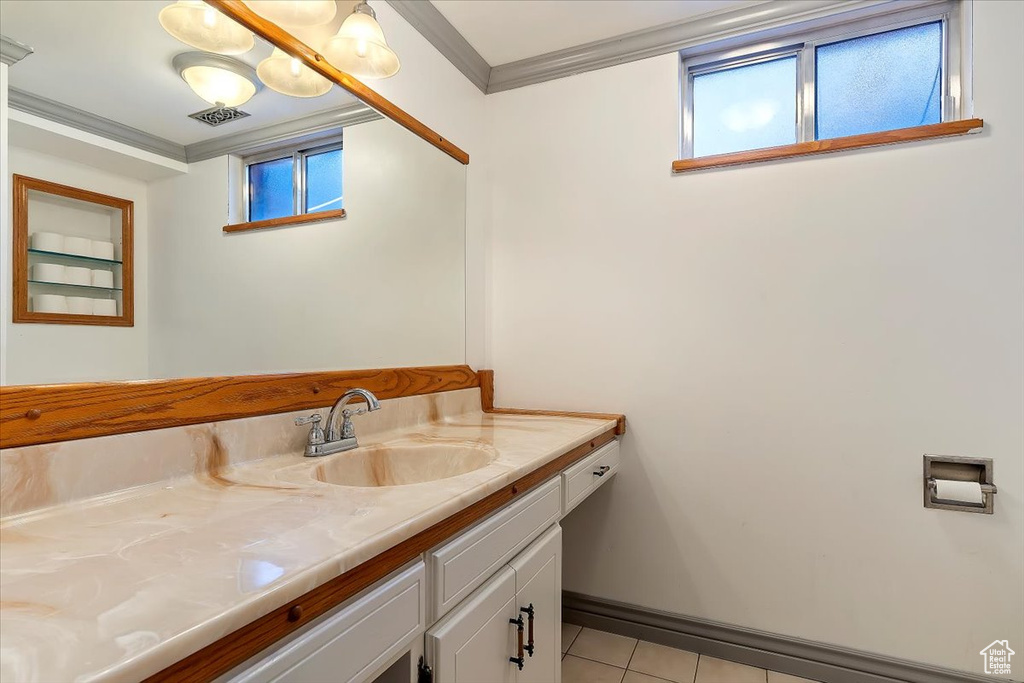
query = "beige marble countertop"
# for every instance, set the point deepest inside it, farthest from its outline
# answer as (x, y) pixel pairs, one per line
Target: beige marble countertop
(117, 587)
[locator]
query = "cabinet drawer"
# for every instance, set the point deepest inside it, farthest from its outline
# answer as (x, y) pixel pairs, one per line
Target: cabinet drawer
(464, 563)
(580, 480)
(349, 644)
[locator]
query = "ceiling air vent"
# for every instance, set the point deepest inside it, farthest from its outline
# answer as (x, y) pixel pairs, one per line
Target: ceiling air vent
(218, 115)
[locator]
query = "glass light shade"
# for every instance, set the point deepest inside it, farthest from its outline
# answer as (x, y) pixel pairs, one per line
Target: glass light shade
(360, 49)
(295, 12)
(195, 23)
(219, 86)
(290, 76)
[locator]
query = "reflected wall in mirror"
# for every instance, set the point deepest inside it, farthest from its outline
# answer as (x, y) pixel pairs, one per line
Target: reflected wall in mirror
(378, 280)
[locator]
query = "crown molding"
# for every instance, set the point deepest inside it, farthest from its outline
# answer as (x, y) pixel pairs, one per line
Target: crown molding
(715, 31)
(709, 32)
(91, 123)
(11, 51)
(439, 32)
(307, 128)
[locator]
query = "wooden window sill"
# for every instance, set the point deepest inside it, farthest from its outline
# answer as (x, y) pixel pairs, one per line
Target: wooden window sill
(889, 137)
(287, 220)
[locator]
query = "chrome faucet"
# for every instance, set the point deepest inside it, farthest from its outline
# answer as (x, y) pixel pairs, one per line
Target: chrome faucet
(337, 438)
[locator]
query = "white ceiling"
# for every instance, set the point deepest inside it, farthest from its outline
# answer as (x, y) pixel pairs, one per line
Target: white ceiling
(505, 31)
(112, 58)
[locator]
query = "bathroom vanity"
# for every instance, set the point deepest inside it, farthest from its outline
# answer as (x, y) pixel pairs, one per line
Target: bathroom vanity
(432, 551)
(160, 521)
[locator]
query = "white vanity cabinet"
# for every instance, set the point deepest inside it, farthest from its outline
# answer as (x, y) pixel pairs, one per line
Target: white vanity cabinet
(478, 640)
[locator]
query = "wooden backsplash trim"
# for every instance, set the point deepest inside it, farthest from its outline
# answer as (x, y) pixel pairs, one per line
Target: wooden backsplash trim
(486, 378)
(35, 414)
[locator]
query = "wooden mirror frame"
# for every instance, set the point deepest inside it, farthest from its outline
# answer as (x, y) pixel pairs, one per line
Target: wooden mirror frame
(278, 37)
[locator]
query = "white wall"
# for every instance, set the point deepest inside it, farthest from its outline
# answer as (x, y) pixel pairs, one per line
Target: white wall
(383, 287)
(787, 340)
(42, 354)
(437, 93)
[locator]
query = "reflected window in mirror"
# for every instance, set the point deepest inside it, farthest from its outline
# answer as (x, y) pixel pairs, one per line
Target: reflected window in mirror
(294, 181)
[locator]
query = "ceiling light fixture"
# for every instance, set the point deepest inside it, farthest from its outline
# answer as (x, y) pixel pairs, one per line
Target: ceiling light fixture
(195, 23)
(295, 12)
(360, 49)
(219, 80)
(289, 76)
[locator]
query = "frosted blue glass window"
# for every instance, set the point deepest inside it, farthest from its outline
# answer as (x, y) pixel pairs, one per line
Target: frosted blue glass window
(879, 82)
(323, 181)
(745, 107)
(270, 189)
(295, 181)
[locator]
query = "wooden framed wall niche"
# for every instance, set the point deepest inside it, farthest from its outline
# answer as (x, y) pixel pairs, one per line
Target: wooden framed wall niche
(65, 256)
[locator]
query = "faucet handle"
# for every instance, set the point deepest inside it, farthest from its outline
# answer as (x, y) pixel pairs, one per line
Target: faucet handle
(348, 412)
(348, 430)
(316, 432)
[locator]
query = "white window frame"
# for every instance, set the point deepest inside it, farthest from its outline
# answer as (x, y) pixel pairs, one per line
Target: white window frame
(951, 13)
(298, 153)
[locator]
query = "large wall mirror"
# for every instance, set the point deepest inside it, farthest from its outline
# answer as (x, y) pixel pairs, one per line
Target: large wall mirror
(101, 105)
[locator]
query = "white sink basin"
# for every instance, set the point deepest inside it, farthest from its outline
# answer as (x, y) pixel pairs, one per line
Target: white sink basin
(401, 464)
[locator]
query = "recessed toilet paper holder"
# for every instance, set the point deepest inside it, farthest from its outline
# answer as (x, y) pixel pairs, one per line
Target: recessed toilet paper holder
(953, 468)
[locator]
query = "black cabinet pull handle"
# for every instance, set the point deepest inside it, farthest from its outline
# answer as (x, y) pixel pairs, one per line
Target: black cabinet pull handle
(529, 612)
(520, 660)
(602, 470)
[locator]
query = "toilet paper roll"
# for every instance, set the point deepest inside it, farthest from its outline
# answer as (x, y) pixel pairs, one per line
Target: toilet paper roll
(48, 272)
(82, 246)
(80, 305)
(102, 249)
(102, 278)
(49, 303)
(48, 241)
(104, 307)
(74, 275)
(959, 491)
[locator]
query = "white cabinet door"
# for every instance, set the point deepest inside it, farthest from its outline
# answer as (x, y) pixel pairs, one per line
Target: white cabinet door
(474, 642)
(539, 586)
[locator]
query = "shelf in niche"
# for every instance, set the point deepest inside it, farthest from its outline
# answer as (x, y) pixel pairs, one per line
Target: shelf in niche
(73, 286)
(74, 257)
(98, 215)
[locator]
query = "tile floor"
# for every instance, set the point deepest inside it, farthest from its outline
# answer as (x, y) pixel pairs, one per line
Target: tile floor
(590, 656)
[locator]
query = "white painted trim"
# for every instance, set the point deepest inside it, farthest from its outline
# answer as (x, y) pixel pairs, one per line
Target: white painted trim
(12, 52)
(95, 140)
(69, 116)
(305, 129)
(439, 32)
(246, 142)
(710, 32)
